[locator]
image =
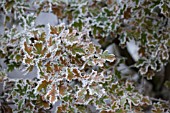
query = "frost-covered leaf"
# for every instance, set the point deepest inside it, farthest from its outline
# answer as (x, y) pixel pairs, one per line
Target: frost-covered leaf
(43, 85)
(70, 74)
(146, 100)
(77, 50)
(52, 94)
(96, 89)
(2, 76)
(62, 89)
(114, 106)
(62, 108)
(81, 96)
(42, 103)
(108, 57)
(27, 48)
(123, 101)
(38, 47)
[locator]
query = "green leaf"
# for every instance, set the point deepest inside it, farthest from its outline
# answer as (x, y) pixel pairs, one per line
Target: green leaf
(20, 103)
(123, 101)
(115, 106)
(10, 67)
(129, 87)
(77, 50)
(78, 24)
(140, 62)
(107, 56)
(38, 47)
(9, 5)
(117, 73)
(143, 38)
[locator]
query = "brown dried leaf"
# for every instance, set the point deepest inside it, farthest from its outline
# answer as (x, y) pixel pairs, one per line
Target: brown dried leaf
(27, 49)
(52, 94)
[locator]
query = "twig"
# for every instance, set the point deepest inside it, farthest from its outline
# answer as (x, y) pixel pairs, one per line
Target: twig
(159, 100)
(128, 67)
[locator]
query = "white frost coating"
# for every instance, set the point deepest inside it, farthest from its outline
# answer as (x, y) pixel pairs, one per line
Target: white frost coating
(50, 7)
(84, 65)
(144, 70)
(98, 90)
(47, 30)
(133, 49)
(38, 70)
(84, 58)
(15, 15)
(84, 83)
(93, 74)
(46, 18)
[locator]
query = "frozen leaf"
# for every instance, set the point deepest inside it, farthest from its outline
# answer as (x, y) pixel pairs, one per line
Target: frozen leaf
(134, 100)
(108, 57)
(52, 95)
(12, 66)
(78, 50)
(140, 62)
(81, 108)
(81, 95)
(129, 86)
(28, 60)
(38, 47)
(76, 72)
(123, 101)
(70, 75)
(115, 106)
(18, 57)
(49, 67)
(146, 100)
(57, 67)
(42, 102)
(2, 76)
(96, 89)
(27, 48)
(58, 11)
(20, 104)
(9, 5)
(114, 86)
(78, 24)
(118, 73)
(62, 89)
(150, 74)
(65, 57)
(143, 70)
(127, 13)
(157, 108)
(62, 108)
(43, 85)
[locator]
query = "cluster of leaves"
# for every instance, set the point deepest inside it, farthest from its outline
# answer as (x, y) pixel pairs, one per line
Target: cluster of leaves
(145, 21)
(15, 13)
(72, 68)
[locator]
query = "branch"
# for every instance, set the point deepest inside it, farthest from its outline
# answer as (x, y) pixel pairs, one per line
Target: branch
(159, 100)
